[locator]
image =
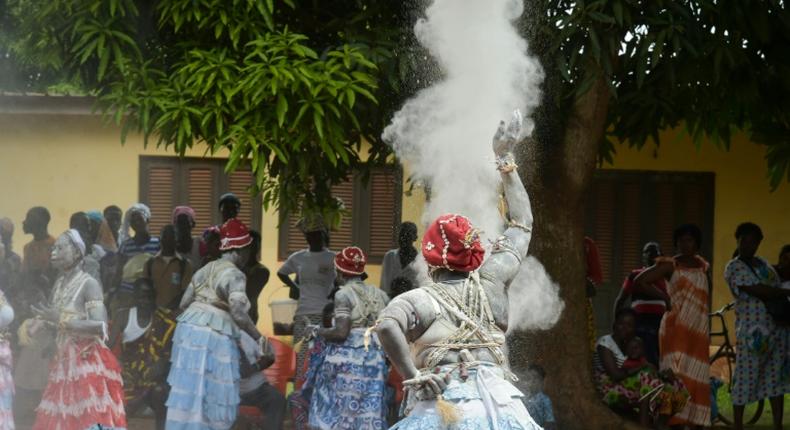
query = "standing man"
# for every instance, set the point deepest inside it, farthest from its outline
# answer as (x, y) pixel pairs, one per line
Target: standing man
(648, 302)
(314, 268)
(114, 217)
(35, 255)
(186, 245)
(404, 262)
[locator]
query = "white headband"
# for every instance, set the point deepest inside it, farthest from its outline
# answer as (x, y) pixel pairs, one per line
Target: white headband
(76, 240)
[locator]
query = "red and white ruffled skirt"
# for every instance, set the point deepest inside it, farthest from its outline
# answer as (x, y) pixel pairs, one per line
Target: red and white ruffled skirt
(84, 389)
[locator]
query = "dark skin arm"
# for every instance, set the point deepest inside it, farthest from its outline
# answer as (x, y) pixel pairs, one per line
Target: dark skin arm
(610, 366)
(294, 288)
(619, 302)
(764, 292)
(644, 282)
(339, 332)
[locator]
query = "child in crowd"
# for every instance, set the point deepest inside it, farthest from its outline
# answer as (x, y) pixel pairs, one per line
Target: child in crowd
(537, 402)
(635, 352)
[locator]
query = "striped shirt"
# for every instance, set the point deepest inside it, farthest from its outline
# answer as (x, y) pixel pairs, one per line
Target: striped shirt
(130, 248)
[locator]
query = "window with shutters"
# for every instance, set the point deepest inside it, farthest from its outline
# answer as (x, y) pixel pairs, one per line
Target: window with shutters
(373, 214)
(627, 208)
(167, 182)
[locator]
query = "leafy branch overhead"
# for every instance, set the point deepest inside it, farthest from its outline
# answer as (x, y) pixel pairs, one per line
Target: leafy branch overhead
(707, 67)
(222, 74)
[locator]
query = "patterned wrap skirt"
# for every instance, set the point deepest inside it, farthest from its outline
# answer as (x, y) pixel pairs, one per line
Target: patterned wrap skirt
(299, 400)
(6, 386)
(349, 391)
(483, 399)
(204, 379)
(667, 398)
(84, 389)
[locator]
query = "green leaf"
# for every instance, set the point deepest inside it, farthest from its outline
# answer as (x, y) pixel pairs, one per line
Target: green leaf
(617, 7)
(282, 108)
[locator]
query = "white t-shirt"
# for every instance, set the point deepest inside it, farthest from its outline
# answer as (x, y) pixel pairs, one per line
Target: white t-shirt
(316, 274)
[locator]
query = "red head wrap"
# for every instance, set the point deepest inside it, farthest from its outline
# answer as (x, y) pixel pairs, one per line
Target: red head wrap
(351, 261)
(234, 235)
(453, 243)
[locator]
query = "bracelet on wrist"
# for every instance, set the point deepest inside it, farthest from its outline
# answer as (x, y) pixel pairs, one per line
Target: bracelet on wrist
(506, 163)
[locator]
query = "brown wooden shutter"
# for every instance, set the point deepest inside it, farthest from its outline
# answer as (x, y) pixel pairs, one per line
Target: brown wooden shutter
(665, 217)
(343, 236)
(631, 246)
(384, 213)
(239, 183)
(603, 234)
(158, 191)
(201, 195)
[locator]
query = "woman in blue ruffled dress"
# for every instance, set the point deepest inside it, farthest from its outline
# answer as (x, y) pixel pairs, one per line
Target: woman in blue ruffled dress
(204, 373)
(349, 390)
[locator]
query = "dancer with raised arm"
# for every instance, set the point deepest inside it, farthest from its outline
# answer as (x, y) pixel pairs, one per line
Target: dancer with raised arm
(447, 338)
(85, 388)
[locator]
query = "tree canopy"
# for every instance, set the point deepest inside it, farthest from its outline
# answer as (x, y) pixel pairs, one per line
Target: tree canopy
(275, 81)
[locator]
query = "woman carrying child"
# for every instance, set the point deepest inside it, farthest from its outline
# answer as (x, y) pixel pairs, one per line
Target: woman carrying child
(627, 381)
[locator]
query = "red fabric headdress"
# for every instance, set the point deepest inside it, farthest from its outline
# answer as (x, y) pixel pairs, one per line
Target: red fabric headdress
(351, 261)
(234, 235)
(184, 210)
(453, 243)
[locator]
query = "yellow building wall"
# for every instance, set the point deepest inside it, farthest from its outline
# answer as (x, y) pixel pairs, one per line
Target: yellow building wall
(71, 163)
(742, 193)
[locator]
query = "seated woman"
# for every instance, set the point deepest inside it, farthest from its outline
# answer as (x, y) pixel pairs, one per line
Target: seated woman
(631, 387)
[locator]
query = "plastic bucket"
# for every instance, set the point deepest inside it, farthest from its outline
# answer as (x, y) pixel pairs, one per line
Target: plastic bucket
(283, 316)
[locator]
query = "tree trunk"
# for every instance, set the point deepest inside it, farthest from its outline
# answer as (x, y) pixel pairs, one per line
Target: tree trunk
(557, 172)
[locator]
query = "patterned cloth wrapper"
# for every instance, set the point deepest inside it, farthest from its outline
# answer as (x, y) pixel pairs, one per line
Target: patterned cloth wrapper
(666, 398)
(145, 360)
(204, 379)
(6, 386)
(349, 387)
(485, 400)
(299, 401)
(85, 388)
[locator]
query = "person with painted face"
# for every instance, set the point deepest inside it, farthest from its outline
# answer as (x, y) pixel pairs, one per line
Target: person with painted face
(85, 387)
(649, 303)
(762, 346)
(314, 268)
(204, 374)
(229, 206)
(349, 390)
(10, 262)
(35, 255)
(684, 332)
(6, 361)
(447, 337)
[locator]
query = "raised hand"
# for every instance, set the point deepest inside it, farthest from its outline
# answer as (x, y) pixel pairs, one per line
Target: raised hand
(508, 135)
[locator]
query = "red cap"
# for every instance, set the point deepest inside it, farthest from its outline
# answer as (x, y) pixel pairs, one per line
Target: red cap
(351, 261)
(453, 243)
(234, 235)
